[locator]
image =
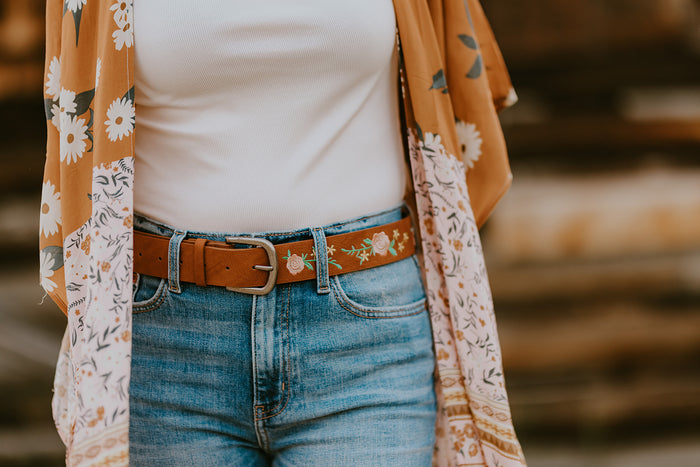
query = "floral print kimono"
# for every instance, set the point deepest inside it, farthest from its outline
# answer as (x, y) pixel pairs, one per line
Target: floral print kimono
(453, 81)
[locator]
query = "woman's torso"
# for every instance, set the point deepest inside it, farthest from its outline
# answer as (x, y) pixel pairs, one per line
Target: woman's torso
(265, 116)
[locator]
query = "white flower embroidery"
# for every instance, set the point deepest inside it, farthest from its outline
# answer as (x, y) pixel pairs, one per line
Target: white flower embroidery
(75, 5)
(73, 135)
(124, 18)
(295, 264)
(380, 243)
(50, 217)
(45, 264)
(121, 117)
(53, 83)
(98, 67)
(470, 142)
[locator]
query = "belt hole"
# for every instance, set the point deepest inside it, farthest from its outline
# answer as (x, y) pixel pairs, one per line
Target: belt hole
(140, 254)
(160, 259)
(227, 268)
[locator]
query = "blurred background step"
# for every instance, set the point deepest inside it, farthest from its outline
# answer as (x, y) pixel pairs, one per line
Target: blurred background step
(555, 218)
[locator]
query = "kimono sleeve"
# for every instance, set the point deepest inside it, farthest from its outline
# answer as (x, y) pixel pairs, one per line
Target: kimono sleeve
(479, 86)
(50, 219)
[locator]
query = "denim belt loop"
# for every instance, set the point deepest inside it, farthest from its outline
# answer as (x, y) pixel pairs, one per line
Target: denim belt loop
(174, 260)
(322, 279)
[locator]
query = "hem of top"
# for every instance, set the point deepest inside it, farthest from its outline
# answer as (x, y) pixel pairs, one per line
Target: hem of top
(272, 233)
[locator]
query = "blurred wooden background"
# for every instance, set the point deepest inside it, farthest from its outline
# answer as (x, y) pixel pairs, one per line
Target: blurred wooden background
(593, 255)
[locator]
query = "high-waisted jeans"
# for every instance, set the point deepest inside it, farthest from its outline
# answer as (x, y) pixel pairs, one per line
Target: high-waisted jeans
(329, 372)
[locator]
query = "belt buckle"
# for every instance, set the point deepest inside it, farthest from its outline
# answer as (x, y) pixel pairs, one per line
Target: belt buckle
(272, 268)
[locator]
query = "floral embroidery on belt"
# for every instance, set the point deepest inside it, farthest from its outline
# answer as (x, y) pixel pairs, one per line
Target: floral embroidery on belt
(379, 244)
(296, 263)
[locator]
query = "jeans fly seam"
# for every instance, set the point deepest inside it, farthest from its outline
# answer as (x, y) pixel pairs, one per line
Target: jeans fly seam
(254, 370)
(263, 435)
(285, 397)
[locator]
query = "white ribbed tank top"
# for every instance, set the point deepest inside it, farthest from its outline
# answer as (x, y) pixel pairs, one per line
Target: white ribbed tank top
(260, 116)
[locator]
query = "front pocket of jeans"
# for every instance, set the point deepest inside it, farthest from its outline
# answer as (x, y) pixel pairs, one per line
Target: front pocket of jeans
(389, 291)
(149, 293)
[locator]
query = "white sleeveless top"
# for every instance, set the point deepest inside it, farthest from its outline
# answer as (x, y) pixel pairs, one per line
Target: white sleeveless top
(260, 116)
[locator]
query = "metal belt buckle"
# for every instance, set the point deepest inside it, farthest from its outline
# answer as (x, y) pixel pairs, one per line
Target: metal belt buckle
(272, 268)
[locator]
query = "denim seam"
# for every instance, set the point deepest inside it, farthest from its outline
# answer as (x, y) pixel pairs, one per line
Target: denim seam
(263, 435)
(286, 396)
(369, 315)
(260, 433)
(154, 302)
(397, 312)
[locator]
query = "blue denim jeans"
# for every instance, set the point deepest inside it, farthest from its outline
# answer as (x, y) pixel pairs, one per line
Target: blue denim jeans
(329, 372)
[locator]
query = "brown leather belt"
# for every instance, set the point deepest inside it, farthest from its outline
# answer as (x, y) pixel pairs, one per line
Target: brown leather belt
(256, 270)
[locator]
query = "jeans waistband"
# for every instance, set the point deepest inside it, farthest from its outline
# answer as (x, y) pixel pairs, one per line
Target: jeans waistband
(374, 219)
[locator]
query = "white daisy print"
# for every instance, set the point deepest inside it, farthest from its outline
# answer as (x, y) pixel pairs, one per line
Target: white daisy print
(75, 5)
(469, 142)
(50, 217)
(73, 135)
(123, 12)
(46, 262)
(123, 37)
(53, 82)
(121, 117)
(443, 170)
(98, 67)
(66, 101)
(124, 18)
(432, 141)
(56, 119)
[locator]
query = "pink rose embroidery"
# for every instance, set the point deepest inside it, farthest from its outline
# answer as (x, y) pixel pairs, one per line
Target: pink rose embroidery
(380, 243)
(295, 264)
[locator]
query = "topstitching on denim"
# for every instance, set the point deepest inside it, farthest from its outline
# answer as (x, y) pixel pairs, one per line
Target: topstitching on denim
(174, 260)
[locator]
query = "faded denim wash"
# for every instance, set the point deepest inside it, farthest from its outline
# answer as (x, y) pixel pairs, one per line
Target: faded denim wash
(305, 375)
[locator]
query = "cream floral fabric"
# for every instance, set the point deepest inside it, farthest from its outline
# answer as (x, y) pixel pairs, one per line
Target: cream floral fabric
(453, 82)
